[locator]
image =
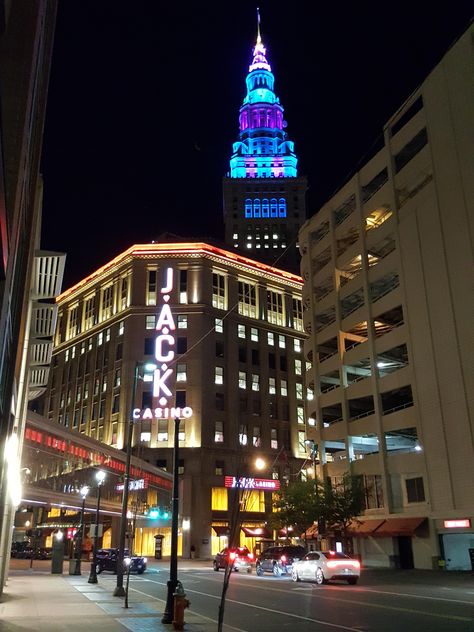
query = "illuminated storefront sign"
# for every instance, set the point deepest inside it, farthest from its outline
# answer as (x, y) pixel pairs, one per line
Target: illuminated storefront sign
(141, 483)
(457, 524)
(164, 354)
(251, 483)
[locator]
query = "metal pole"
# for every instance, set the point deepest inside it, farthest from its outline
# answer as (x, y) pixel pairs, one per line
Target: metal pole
(119, 589)
(80, 536)
(173, 580)
(93, 574)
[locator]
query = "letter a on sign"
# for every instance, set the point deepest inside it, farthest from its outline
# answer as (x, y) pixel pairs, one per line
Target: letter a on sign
(165, 318)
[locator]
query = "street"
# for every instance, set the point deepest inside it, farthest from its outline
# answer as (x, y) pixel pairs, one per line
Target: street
(387, 600)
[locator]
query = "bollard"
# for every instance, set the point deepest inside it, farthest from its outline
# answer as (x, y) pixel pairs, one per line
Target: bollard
(180, 603)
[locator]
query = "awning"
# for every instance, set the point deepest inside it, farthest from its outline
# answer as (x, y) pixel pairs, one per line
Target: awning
(311, 532)
(363, 527)
(256, 532)
(398, 526)
(221, 531)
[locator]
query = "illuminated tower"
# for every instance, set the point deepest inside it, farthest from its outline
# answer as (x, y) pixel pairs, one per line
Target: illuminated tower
(264, 199)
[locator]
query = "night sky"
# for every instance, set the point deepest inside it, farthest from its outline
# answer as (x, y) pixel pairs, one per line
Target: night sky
(144, 100)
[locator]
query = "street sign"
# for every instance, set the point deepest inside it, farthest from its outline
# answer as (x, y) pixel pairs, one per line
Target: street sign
(100, 531)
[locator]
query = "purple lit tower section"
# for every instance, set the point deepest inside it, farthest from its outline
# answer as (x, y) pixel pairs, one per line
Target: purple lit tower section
(264, 198)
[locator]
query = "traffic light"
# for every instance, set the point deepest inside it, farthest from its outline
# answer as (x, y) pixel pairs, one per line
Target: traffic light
(159, 513)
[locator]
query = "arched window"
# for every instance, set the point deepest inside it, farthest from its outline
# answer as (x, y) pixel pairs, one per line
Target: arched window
(282, 207)
(256, 207)
(273, 208)
(265, 208)
(248, 207)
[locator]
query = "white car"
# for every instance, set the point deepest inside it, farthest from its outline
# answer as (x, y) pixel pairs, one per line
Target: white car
(323, 566)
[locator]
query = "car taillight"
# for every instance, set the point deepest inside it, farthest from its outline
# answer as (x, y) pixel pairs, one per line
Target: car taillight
(232, 555)
(250, 556)
(283, 558)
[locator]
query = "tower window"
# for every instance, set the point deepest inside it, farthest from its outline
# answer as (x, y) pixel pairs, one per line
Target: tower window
(248, 207)
(256, 208)
(265, 208)
(282, 207)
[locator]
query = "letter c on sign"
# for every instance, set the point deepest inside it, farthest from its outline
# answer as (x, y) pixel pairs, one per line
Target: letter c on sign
(160, 341)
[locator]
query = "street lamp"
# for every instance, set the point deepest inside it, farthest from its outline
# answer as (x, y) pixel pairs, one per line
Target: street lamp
(80, 532)
(119, 589)
(100, 476)
(173, 580)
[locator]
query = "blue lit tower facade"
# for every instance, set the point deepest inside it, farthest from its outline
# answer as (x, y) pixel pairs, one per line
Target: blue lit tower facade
(264, 198)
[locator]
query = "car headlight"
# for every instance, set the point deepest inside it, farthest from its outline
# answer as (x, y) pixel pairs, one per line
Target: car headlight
(145, 560)
(127, 561)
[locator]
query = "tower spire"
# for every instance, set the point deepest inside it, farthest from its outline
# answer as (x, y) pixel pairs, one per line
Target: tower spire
(259, 39)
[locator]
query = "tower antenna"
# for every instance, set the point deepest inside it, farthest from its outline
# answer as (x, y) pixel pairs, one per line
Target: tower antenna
(259, 39)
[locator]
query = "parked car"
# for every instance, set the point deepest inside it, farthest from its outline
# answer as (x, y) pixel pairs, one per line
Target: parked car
(107, 561)
(21, 549)
(324, 566)
(279, 560)
(239, 557)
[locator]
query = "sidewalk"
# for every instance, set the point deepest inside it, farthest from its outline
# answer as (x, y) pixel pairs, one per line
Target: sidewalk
(37, 601)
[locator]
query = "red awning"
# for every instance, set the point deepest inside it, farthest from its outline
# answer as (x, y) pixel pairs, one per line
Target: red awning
(221, 531)
(363, 528)
(256, 532)
(393, 527)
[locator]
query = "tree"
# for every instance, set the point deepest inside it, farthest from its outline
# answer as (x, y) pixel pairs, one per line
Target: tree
(299, 505)
(345, 501)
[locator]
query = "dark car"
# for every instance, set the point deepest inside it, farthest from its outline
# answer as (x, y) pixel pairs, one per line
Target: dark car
(279, 559)
(239, 557)
(107, 561)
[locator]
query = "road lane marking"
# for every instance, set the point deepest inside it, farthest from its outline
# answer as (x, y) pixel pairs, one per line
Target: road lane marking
(386, 592)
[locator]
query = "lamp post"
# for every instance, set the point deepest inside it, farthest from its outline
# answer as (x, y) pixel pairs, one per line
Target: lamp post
(100, 476)
(173, 580)
(119, 589)
(80, 538)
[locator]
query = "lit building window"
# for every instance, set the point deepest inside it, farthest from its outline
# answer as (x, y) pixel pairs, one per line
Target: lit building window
(271, 386)
(253, 500)
(299, 390)
(309, 394)
(219, 325)
(255, 382)
(107, 334)
(274, 439)
(100, 338)
(248, 209)
(254, 334)
(107, 302)
(73, 322)
(256, 437)
(281, 342)
(219, 375)
(73, 352)
(151, 287)
(297, 314)
(151, 322)
(241, 331)
(89, 312)
(284, 388)
(247, 299)
(300, 414)
(298, 367)
(183, 287)
(243, 437)
(297, 345)
(219, 499)
(271, 339)
(275, 307)
(181, 373)
(282, 207)
(302, 442)
(117, 377)
(219, 294)
(182, 433)
(242, 379)
(182, 321)
(121, 328)
(162, 430)
(219, 432)
(124, 299)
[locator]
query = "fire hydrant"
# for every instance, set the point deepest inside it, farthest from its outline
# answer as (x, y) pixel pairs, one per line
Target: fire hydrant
(180, 603)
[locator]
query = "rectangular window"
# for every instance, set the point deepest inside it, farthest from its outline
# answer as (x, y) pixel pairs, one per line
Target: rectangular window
(253, 500)
(181, 345)
(297, 345)
(100, 338)
(180, 399)
(243, 437)
(299, 390)
(121, 328)
(271, 386)
(162, 430)
(219, 375)
(117, 378)
(271, 339)
(219, 432)
(255, 357)
(124, 293)
(89, 312)
(297, 314)
(255, 382)
(242, 379)
(181, 373)
(219, 291)
(107, 334)
(73, 322)
(183, 287)
(118, 351)
(284, 388)
(281, 342)
(219, 499)
(300, 414)
(220, 401)
(298, 367)
(309, 394)
(219, 468)
(107, 302)
(241, 331)
(256, 437)
(182, 321)
(275, 308)
(116, 404)
(182, 430)
(151, 321)
(274, 439)
(247, 299)
(219, 325)
(302, 442)
(151, 287)
(373, 490)
(415, 490)
(254, 334)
